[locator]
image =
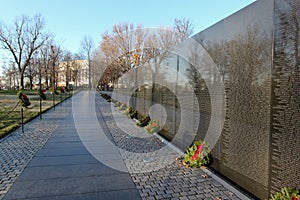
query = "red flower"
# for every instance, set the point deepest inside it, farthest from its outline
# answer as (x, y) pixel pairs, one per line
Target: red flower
(62, 89)
(24, 97)
(153, 124)
(295, 198)
(43, 91)
(197, 153)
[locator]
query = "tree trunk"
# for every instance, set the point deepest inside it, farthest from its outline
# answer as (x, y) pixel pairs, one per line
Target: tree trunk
(10, 82)
(18, 84)
(22, 79)
(47, 81)
(90, 81)
(31, 82)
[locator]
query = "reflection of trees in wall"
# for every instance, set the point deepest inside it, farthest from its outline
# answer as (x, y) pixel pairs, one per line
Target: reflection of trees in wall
(194, 78)
(128, 47)
(248, 64)
(244, 63)
(285, 152)
(121, 59)
(119, 49)
(201, 91)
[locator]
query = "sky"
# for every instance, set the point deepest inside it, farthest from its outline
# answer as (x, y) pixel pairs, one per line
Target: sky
(71, 20)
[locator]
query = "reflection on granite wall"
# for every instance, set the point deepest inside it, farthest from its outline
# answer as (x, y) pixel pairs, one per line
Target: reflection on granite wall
(285, 115)
(256, 51)
(241, 46)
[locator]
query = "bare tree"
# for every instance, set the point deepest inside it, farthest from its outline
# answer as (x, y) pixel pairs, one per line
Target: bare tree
(56, 53)
(87, 46)
(66, 67)
(121, 49)
(11, 75)
(76, 69)
(183, 29)
(45, 61)
(129, 46)
(31, 72)
(23, 39)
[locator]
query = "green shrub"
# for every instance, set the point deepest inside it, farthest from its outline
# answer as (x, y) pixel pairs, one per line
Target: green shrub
(286, 194)
(198, 154)
(153, 126)
(128, 110)
(106, 97)
(133, 114)
(23, 99)
(144, 122)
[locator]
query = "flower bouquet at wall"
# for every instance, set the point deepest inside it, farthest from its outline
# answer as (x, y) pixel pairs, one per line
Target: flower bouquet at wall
(41, 94)
(153, 126)
(62, 89)
(128, 110)
(122, 106)
(133, 114)
(23, 99)
(198, 154)
(286, 194)
(106, 97)
(144, 122)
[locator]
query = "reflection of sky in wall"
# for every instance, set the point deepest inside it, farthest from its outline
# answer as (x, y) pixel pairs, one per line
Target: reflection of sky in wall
(238, 23)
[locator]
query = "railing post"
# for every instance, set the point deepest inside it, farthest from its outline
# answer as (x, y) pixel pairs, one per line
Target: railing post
(22, 120)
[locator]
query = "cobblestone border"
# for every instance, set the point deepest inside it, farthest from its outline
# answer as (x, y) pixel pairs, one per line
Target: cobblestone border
(172, 182)
(17, 149)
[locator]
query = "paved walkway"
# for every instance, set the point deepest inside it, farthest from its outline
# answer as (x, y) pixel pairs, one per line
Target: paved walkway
(86, 149)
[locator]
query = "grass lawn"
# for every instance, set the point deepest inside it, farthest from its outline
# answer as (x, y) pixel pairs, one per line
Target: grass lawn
(10, 109)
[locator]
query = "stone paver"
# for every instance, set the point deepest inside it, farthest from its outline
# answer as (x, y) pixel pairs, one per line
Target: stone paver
(64, 169)
(17, 149)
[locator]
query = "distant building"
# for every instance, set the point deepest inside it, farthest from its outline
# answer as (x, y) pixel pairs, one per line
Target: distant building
(73, 72)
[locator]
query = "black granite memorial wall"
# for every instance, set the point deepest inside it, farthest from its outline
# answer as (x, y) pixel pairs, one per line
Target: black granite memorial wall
(285, 104)
(241, 46)
(256, 52)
